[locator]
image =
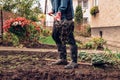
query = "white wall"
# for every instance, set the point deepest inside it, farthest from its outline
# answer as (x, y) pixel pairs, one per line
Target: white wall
(49, 19)
(87, 11)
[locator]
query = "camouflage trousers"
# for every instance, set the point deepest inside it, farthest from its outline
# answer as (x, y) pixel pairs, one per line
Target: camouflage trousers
(62, 35)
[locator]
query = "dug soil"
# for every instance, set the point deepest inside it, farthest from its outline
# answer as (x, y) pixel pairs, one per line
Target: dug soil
(31, 45)
(20, 65)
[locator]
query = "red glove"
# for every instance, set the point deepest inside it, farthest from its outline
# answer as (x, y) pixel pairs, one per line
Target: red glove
(58, 16)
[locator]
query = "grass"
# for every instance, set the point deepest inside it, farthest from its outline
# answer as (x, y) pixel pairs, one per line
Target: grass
(47, 40)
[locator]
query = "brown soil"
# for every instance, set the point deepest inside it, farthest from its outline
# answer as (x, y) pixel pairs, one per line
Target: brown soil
(31, 45)
(20, 65)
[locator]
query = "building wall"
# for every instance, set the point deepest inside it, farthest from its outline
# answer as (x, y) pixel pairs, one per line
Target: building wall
(107, 20)
(86, 11)
(109, 14)
(75, 3)
(108, 33)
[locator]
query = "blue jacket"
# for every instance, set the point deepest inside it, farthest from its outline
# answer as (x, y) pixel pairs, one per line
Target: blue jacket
(65, 7)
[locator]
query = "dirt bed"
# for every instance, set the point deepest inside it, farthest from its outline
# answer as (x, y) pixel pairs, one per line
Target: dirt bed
(20, 65)
(31, 45)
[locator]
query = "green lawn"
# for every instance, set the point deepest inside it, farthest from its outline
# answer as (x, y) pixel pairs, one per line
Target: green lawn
(47, 40)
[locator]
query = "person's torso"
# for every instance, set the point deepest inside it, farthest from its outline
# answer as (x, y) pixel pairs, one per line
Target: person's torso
(68, 13)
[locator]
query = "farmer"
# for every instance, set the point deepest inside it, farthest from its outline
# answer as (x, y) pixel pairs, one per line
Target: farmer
(63, 29)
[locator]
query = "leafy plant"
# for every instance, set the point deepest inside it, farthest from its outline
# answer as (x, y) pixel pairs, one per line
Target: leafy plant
(98, 43)
(18, 30)
(112, 55)
(95, 43)
(98, 60)
(118, 55)
(85, 30)
(14, 39)
(89, 45)
(46, 32)
(23, 8)
(22, 30)
(85, 57)
(94, 10)
(78, 15)
(11, 38)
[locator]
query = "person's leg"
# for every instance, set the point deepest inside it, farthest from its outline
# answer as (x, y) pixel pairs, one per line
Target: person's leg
(74, 50)
(61, 48)
(62, 51)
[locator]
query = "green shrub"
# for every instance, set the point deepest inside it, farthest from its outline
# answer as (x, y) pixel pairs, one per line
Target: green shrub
(46, 32)
(33, 18)
(95, 43)
(118, 55)
(100, 59)
(21, 31)
(78, 15)
(83, 56)
(94, 10)
(18, 30)
(85, 30)
(11, 38)
(115, 56)
(89, 45)
(98, 43)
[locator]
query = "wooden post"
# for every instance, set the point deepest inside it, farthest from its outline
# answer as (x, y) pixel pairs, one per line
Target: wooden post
(1, 17)
(45, 7)
(45, 12)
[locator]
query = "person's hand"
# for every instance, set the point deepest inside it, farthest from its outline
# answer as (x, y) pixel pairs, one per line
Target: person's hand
(58, 16)
(50, 13)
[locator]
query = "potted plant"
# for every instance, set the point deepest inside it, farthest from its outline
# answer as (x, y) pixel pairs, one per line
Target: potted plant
(94, 10)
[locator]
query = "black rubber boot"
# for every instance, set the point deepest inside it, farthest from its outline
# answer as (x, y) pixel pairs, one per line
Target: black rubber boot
(62, 51)
(60, 62)
(62, 55)
(74, 53)
(71, 65)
